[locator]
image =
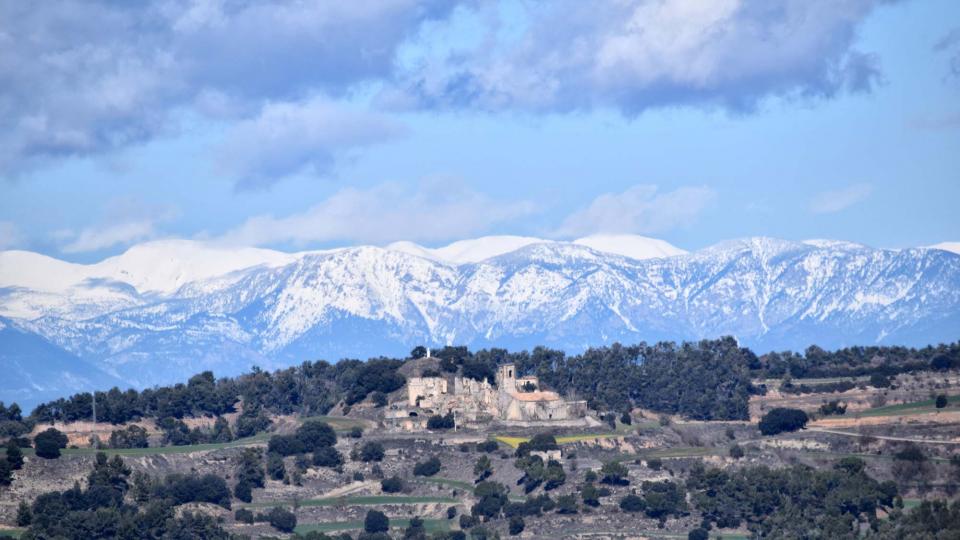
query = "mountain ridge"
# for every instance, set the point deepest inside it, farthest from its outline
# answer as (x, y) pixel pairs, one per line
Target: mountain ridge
(368, 301)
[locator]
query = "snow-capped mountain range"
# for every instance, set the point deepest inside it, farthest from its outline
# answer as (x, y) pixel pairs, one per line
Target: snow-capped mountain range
(167, 309)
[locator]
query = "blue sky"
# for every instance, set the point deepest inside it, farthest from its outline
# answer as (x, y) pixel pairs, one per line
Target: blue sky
(435, 121)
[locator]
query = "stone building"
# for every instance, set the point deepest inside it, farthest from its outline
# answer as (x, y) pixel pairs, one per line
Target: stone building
(512, 398)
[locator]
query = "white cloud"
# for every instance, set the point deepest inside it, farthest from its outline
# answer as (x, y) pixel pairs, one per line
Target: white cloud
(383, 213)
(9, 235)
(286, 138)
(637, 54)
(97, 238)
(640, 209)
(832, 201)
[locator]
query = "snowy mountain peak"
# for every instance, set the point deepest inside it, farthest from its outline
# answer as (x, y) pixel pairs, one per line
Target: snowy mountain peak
(952, 247)
(630, 245)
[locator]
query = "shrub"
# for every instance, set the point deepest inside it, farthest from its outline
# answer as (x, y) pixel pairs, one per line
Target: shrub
(941, 401)
(243, 516)
(378, 398)
(316, 434)
(131, 437)
(782, 419)
(282, 519)
(327, 456)
(48, 443)
(833, 408)
(879, 380)
(14, 455)
(429, 467)
(275, 467)
(567, 504)
(614, 473)
(356, 432)
(285, 445)
(516, 525)
(736, 452)
(654, 464)
(394, 484)
(441, 422)
(698, 534)
(632, 503)
(451, 512)
(376, 522)
(371, 451)
(488, 446)
(467, 521)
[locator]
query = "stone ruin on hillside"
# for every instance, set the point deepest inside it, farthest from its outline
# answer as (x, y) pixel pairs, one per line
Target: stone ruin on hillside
(510, 399)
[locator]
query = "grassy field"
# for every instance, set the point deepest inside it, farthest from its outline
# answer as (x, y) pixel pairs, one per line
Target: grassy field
(678, 452)
(431, 525)
(11, 533)
(458, 484)
(916, 407)
(360, 500)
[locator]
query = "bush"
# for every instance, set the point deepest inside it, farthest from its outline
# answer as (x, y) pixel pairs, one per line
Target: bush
(567, 504)
(243, 516)
(441, 422)
(394, 484)
(282, 519)
(781, 420)
(879, 380)
(327, 456)
(654, 464)
(467, 521)
(376, 522)
(131, 437)
(275, 467)
(429, 467)
(285, 445)
(698, 534)
(632, 503)
(516, 525)
(371, 451)
(48, 443)
(356, 432)
(14, 455)
(451, 512)
(736, 452)
(316, 434)
(614, 473)
(488, 446)
(941, 401)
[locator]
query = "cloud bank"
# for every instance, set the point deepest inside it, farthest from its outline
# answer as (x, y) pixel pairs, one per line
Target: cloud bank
(829, 202)
(640, 210)
(84, 78)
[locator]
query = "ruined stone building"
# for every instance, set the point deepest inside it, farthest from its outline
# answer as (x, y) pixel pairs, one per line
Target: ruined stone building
(511, 398)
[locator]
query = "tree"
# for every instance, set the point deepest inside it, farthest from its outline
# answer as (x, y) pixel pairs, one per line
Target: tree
(879, 380)
(736, 451)
(371, 451)
(590, 495)
(376, 522)
(48, 443)
(482, 468)
(275, 467)
(782, 419)
(6, 473)
(14, 455)
(314, 434)
(327, 457)
(282, 519)
(441, 422)
(378, 398)
(394, 484)
(24, 515)
(941, 401)
(632, 503)
(614, 473)
(625, 418)
(418, 352)
(516, 525)
(567, 504)
(698, 534)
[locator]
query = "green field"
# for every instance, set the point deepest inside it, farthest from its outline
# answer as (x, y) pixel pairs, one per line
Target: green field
(11, 533)
(916, 407)
(678, 452)
(431, 525)
(514, 442)
(458, 484)
(360, 500)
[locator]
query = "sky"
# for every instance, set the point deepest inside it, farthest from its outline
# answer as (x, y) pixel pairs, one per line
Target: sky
(302, 125)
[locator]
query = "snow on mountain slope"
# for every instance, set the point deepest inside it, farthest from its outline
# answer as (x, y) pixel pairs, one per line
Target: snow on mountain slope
(630, 245)
(468, 251)
(953, 247)
(367, 301)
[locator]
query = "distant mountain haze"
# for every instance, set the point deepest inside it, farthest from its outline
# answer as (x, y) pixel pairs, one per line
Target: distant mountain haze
(165, 310)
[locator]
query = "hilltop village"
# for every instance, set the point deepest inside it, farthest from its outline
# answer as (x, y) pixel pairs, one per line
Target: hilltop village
(473, 445)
